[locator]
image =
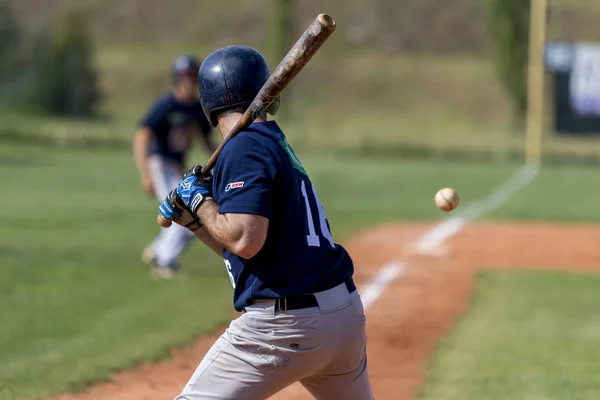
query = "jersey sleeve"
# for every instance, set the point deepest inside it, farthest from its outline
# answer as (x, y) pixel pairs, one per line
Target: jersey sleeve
(245, 178)
(155, 116)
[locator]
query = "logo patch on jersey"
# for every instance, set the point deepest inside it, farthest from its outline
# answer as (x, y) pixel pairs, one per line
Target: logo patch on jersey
(234, 185)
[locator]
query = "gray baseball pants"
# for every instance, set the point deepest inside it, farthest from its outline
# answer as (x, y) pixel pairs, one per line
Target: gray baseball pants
(267, 349)
(171, 242)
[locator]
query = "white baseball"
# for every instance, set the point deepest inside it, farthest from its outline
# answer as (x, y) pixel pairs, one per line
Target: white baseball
(446, 199)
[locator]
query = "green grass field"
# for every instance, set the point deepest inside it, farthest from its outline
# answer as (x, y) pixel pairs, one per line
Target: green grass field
(528, 335)
(388, 101)
(75, 301)
(399, 104)
(563, 194)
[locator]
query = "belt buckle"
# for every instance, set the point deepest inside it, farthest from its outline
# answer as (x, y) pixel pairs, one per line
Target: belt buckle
(284, 304)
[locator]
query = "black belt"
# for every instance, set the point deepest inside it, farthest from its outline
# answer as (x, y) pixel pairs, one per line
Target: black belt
(306, 300)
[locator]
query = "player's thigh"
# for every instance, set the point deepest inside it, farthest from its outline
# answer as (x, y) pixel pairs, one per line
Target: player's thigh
(354, 385)
(346, 376)
(165, 175)
(236, 369)
(173, 174)
(157, 167)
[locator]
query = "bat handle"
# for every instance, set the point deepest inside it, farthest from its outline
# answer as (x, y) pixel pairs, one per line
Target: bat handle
(164, 222)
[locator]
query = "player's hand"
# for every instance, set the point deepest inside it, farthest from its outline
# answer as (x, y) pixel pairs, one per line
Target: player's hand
(147, 186)
(175, 209)
(194, 188)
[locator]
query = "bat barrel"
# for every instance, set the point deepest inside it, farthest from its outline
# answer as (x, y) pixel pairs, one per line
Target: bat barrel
(299, 55)
(304, 49)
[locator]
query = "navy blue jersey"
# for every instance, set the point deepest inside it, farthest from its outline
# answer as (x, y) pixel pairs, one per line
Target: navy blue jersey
(258, 173)
(171, 123)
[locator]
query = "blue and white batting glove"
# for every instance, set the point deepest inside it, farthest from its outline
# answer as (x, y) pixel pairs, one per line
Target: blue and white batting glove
(195, 188)
(168, 208)
(174, 209)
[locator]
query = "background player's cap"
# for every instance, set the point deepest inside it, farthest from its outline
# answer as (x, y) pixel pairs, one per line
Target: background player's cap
(185, 65)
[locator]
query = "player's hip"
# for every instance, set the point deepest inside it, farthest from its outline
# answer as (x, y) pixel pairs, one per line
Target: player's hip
(336, 297)
(329, 311)
(166, 162)
(333, 330)
(265, 349)
(319, 325)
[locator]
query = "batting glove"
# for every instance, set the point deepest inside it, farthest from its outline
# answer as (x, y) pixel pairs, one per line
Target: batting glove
(195, 188)
(175, 209)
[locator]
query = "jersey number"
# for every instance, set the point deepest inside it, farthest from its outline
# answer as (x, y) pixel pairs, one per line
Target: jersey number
(228, 266)
(312, 238)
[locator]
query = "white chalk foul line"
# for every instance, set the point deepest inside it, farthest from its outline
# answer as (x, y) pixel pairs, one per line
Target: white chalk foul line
(386, 275)
(448, 228)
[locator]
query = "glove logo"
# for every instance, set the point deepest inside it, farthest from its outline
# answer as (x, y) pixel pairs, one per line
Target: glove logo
(187, 183)
(234, 185)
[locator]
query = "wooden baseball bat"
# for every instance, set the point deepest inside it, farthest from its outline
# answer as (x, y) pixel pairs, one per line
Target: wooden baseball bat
(299, 55)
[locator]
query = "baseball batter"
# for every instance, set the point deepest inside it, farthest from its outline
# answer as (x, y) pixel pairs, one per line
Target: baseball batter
(302, 317)
(165, 135)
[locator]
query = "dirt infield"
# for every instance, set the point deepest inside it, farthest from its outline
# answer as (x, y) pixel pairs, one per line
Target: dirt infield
(412, 314)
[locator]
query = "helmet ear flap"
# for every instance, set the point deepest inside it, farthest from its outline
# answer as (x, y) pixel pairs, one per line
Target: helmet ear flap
(274, 106)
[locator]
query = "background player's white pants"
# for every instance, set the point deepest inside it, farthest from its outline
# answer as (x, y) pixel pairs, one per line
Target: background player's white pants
(265, 350)
(171, 242)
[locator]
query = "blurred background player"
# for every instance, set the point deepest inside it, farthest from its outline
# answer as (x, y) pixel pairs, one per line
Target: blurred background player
(165, 136)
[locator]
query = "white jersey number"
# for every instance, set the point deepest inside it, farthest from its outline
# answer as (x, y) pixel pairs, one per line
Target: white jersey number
(228, 265)
(312, 238)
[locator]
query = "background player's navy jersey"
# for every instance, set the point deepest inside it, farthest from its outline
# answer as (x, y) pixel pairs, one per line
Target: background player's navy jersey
(258, 173)
(170, 122)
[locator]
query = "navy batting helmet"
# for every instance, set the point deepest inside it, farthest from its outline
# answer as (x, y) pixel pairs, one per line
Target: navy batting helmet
(232, 76)
(184, 65)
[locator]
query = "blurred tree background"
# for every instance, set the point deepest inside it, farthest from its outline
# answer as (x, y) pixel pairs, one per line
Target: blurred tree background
(50, 71)
(509, 29)
(419, 78)
(67, 83)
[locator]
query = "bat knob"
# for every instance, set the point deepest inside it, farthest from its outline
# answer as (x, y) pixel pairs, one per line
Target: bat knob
(164, 222)
(326, 20)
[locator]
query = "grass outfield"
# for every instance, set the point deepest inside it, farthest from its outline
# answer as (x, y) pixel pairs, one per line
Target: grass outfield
(76, 302)
(409, 96)
(377, 103)
(528, 335)
(563, 194)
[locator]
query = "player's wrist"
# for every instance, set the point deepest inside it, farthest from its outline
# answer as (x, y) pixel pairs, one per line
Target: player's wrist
(194, 225)
(198, 199)
(206, 210)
